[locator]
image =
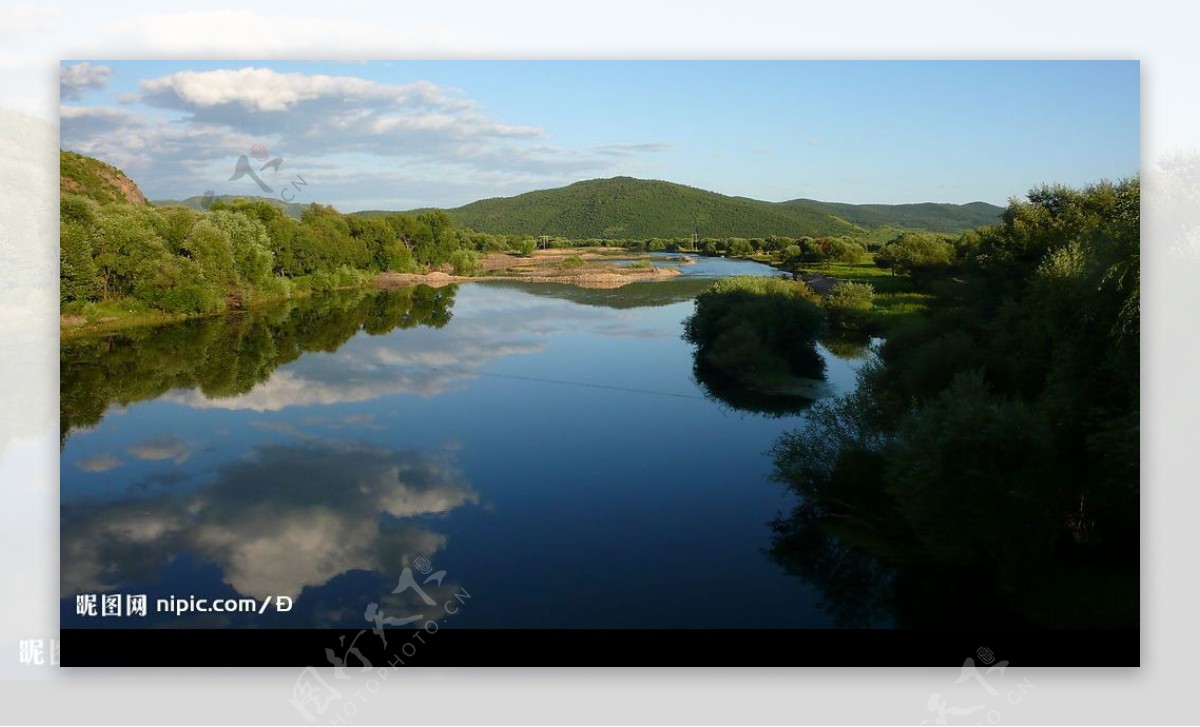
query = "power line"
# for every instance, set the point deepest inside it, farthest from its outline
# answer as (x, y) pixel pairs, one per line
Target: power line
(563, 382)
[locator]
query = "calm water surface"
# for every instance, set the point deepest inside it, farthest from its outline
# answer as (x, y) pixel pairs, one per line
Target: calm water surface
(546, 446)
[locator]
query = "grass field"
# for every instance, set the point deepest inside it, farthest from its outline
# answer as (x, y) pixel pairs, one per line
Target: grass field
(896, 299)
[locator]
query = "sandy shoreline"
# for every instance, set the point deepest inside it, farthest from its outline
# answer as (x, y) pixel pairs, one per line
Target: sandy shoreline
(544, 266)
(389, 281)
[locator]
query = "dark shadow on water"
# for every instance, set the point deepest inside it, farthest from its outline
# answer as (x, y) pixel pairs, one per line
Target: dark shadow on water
(733, 394)
(642, 294)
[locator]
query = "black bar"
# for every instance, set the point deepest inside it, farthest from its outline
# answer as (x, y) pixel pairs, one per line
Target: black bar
(598, 647)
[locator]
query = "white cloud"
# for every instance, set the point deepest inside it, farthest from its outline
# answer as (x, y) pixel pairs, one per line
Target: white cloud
(276, 522)
(418, 362)
(75, 80)
(632, 149)
(98, 463)
(318, 114)
(263, 89)
(406, 138)
(160, 448)
(382, 374)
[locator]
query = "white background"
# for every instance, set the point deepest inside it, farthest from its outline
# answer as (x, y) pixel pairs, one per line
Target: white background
(1160, 34)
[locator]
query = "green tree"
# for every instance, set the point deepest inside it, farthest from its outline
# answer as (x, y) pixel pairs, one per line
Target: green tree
(209, 246)
(127, 248)
(78, 275)
(915, 252)
(250, 247)
(526, 246)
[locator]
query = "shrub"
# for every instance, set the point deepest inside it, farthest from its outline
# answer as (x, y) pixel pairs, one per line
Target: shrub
(465, 262)
(525, 246)
(914, 252)
(757, 331)
(845, 251)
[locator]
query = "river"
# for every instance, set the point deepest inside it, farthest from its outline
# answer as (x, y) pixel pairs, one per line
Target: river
(547, 447)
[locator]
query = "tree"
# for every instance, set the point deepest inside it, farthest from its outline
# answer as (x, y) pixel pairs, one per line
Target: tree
(999, 434)
(845, 251)
(757, 332)
(740, 247)
(915, 251)
(78, 276)
(435, 240)
(250, 247)
(127, 248)
(526, 245)
(210, 248)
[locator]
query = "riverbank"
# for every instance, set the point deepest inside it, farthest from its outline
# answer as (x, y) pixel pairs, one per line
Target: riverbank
(100, 318)
(896, 299)
(584, 267)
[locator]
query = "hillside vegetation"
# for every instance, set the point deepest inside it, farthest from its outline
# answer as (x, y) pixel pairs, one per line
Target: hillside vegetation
(121, 258)
(929, 216)
(96, 180)
(994, 438)
(199, 203)
(627, 208)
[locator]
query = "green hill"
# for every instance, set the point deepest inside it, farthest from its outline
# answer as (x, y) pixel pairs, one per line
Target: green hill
(95, 179)
(930, 216)
(291, 209)
(623, 207)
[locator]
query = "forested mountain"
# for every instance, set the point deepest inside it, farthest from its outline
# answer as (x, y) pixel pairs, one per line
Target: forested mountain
(623, 207)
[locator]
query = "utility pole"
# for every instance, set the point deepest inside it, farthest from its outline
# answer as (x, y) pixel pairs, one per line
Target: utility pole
(545, 242)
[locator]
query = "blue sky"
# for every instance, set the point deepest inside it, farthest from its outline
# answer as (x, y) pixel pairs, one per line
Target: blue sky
(397, 135)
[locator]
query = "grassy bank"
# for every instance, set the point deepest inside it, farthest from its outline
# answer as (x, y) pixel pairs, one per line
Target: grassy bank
(91, 318)
(897, 299)
(583, 267)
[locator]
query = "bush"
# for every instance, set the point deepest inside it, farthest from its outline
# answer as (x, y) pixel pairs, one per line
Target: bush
(177, 285)
(845, 251)
(464, 262)
(757, 332)
(739, 246)
(974, 475)
(849, 304)
(525, 246)
(915, 252)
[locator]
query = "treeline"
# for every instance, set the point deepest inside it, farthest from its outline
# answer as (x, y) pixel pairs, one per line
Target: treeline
(179, 260)
(996, 441)
(781, 248)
